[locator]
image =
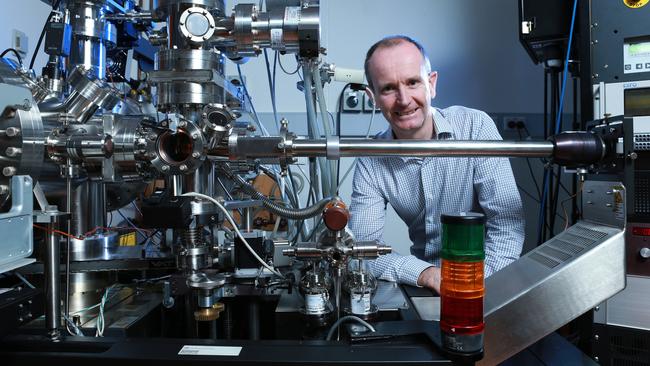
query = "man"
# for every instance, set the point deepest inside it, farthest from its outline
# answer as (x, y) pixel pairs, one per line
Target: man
(402, 85)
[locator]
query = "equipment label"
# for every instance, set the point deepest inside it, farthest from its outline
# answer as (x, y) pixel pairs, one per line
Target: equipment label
(276, 38)
(292, 14)
(209, 351)
(315, 303)
(360, 303)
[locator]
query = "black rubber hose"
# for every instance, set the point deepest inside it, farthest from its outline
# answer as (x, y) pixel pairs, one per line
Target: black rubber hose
(288, 213)
(577, 148)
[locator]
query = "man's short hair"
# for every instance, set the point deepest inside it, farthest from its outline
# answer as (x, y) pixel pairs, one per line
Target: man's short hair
(392, 41)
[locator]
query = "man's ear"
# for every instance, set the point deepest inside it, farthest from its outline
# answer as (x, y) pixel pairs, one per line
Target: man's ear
(433, 80)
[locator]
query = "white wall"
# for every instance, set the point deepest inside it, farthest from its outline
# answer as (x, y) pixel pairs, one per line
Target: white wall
(27, 16)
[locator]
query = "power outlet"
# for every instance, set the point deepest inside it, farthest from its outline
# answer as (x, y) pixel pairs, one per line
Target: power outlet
(368, 103)
(19, 41)
(353, 101)
(514, 123)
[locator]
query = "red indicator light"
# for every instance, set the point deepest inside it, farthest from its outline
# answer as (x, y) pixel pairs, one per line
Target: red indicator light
(641, 231)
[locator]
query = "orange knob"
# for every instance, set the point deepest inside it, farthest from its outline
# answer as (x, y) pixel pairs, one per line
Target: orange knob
(336, 215)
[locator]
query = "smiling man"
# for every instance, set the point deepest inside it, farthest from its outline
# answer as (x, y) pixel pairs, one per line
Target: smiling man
(402, 86)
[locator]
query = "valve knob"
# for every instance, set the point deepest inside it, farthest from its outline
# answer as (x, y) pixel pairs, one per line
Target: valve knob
(336, 215)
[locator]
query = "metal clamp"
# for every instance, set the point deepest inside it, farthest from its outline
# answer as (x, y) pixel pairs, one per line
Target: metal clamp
(333, 148)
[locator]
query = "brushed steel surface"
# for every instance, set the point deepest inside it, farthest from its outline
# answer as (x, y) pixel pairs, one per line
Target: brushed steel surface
(428, 308)
(550, 286)
(458, 148)
(630, 307)
(604, 202)
(16, 243)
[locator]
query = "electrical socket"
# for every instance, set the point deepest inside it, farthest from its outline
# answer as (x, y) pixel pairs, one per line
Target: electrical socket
(368, 103)
(353, 101)
(19, 41)
(514, 123)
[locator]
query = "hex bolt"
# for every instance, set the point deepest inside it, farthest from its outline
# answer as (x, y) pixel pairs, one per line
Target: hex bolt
(196, 154)
(183, 167)
(12, 131)
(165, 168)
(281, 145)
(12, 152)
(9, 171)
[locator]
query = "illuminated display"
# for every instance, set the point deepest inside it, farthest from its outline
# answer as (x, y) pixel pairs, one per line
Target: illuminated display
(641, 231)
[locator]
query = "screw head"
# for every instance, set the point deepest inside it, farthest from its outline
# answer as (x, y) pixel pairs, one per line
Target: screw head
(12, 131)
(183, 167)
(9, 171)
(196, 154)
(13, 151)
(165, 168)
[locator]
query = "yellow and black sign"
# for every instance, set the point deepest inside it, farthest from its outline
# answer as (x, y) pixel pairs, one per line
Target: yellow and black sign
(634, 4)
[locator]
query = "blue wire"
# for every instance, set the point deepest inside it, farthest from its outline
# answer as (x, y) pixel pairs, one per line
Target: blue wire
(558, 121)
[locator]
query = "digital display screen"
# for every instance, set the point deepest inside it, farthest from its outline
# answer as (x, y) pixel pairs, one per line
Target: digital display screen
(639, 49)
(637, 102)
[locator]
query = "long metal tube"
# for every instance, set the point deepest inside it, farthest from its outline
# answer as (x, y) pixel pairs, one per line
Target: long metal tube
(364, 147)
(53, 283)
(68, 246)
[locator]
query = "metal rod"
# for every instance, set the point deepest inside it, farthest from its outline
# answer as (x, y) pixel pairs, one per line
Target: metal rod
(68, 246)
(53, 282)
(439, 148)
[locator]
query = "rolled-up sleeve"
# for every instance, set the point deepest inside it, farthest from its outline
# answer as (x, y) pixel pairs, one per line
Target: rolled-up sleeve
(367, 222)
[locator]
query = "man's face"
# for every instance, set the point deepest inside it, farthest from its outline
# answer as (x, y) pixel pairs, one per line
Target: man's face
(403, 90)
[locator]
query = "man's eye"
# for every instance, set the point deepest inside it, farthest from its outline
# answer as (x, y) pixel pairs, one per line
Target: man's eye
(414, 82)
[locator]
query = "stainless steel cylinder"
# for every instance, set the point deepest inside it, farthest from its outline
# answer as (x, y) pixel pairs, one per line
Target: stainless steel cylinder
(53, 282)
(180, 92)
(456, 148)
(176, 182)
(79, 211)
(91, 35)
(89, 94)
(21, 129)
(97, 197)
(186, 76)
(294, 29)
(87, 288)
(182, 60)
(102, 246)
